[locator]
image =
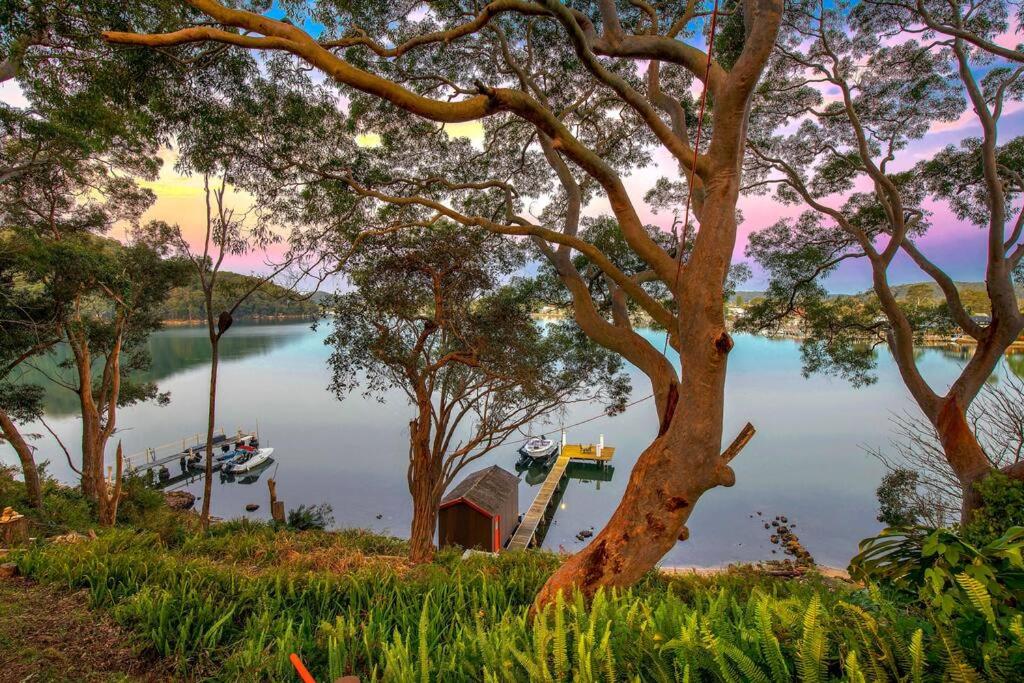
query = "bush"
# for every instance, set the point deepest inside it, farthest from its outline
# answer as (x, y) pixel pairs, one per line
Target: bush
(980, 590)
(64, 508)
(1002, 507)
(312, 517)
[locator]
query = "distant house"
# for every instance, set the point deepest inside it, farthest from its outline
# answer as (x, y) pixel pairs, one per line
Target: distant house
(984, 320)
(481, 512)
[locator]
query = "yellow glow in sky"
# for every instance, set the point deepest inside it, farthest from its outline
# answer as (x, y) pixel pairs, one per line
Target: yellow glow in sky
(180, 199)
(471, 130)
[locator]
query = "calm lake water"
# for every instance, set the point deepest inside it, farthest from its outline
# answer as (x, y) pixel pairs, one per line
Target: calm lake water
(807, 460)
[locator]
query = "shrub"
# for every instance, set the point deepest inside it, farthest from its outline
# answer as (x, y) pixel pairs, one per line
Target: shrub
(64, 508)
(1002, 507)
(980, 590)
(305, 518)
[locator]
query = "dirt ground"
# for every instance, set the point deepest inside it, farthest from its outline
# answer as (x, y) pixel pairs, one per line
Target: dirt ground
(51, 635)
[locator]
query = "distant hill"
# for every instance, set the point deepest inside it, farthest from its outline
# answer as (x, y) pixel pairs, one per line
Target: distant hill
(972, 293)
(270, 301)
(933, 292)
(745, 296)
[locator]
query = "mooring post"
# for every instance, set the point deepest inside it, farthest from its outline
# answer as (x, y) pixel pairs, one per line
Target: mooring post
(276, 506)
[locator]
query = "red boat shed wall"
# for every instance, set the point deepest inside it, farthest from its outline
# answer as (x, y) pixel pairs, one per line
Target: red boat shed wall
(481, 512)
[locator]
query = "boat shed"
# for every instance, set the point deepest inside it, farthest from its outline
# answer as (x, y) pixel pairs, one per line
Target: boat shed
(481, 512)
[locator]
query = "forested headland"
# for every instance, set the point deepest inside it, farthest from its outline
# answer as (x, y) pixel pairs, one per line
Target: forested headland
(184, 305)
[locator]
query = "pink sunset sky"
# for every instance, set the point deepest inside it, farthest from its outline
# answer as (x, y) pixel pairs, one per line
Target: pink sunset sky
(956, 246)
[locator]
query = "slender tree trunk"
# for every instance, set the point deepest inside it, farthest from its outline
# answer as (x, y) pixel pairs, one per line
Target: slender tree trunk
(92, 459)
(425, 487)
(685, 460)
(33, 488)
(108, 502)
(210, 418)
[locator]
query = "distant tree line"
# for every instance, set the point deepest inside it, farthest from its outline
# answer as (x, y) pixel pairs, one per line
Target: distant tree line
(270, 301)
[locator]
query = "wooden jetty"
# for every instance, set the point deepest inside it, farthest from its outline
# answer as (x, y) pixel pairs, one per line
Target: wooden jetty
(525, 533)
(171, 452)
(153, 462)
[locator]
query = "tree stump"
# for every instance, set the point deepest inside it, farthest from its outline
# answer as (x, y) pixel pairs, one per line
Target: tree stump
(13, 529)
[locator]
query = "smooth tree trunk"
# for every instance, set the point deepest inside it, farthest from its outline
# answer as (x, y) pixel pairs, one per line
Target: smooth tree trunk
(211, 417)
(965, 455)
(29, 472)
(425, 473)
(686, 459)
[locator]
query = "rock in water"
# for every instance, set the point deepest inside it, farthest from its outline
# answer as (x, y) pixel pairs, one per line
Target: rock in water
(252, 507)
(179, 500)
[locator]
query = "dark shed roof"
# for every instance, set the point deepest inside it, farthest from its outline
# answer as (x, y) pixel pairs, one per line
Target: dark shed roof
(485, 489)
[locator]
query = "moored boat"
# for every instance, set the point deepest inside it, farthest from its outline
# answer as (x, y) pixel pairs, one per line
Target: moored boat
(246, 461)
(539, 448)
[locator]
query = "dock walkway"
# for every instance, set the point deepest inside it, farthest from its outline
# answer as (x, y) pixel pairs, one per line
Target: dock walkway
(527, 529)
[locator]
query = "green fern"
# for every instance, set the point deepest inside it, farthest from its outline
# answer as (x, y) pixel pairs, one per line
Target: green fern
(1017, 629)
(978, 595)
(811, 656)
(769, 644)
(424, 650)
(561, 650)
(957, 668)
(853, 670)
(917, 656)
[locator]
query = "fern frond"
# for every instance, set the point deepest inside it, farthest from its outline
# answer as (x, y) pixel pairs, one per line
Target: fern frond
(811, 656)
(769, 644)
(978, 595)
(917, 656)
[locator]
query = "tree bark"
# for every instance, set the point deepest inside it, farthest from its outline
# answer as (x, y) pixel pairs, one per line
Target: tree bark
(965, 455)
(108, 502)
(685, 460)
(425, 473)
(211, 416)
(33, 488)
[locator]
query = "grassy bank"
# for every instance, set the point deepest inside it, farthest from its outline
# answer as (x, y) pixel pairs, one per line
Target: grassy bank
(233, 605)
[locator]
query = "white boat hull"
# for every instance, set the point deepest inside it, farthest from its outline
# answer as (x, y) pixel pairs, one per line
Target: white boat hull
(533, 451)
(257, 459)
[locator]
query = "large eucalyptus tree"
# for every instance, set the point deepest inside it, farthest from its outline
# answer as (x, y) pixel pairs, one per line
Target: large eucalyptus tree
(847, 96)
(570, 97)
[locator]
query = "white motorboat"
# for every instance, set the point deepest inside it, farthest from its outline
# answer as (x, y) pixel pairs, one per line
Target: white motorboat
(247, 461)
(539, 448)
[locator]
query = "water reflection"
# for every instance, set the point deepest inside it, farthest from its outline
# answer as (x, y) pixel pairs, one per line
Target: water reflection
(172, 352)
(807, 461)
(582, 473)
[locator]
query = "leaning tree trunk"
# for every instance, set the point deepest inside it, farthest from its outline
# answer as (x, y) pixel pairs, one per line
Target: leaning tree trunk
(685, 460)
(211, 416)
(33, 488)
(425, 486)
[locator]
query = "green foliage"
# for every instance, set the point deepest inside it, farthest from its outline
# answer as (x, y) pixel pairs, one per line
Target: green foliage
(467, 620)
(64, 509)
(897, 503)
(1002, 508)
(981, 588)
(270, 300)
(306, 517)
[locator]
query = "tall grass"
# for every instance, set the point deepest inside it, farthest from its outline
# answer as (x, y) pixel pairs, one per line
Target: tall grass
(221, 607)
